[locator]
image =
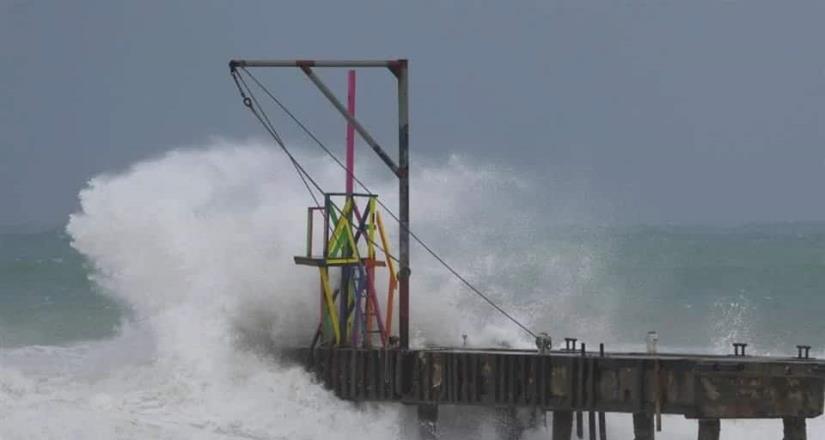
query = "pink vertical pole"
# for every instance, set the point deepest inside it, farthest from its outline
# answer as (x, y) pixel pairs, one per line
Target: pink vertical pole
(356, 325)
(350, 131)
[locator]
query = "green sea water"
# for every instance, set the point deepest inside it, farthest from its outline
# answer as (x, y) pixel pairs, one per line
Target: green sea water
(46, 297)
(697, 286)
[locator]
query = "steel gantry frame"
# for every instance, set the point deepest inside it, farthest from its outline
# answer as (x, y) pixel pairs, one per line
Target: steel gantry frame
(399, 68)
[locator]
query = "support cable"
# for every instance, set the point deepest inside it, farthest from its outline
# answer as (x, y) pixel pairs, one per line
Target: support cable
(320, 144)
(262, 117)
(307, 131)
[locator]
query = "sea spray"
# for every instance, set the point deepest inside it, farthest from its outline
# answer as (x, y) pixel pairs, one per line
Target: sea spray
(197, 245)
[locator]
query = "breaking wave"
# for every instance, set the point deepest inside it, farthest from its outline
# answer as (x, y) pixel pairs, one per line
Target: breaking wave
(197, 246)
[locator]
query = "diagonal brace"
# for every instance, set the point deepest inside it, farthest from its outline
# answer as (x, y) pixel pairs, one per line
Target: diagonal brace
(351, 119)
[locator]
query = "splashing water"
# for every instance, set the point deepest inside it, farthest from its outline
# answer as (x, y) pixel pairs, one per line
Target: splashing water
(196, 246)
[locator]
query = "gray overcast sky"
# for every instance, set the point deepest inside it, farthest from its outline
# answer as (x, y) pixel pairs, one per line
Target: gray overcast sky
(652, 111)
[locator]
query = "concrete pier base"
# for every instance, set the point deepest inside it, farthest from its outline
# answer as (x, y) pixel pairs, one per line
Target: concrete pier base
(428, 422)
(643, 426)
(562, 425)
(794, 428)
(709, 429)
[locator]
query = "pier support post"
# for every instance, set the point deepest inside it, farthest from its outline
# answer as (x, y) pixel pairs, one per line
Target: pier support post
(709, 429)
(643, 426)
(427, 421)
(562, 425)
(510, 425)
(794, 428)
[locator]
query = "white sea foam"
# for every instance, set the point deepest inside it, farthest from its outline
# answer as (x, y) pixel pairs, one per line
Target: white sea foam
(198, 244)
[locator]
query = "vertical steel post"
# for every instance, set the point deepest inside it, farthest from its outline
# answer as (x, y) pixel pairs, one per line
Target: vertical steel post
(309, 232)
(347, 271)
(350, 132)
(326, 211)
(343, 305)
(400, 72)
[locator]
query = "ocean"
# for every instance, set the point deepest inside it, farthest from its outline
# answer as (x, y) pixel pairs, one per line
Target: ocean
(146, 315)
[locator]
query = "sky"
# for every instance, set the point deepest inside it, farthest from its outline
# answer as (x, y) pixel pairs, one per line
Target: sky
(651, 112)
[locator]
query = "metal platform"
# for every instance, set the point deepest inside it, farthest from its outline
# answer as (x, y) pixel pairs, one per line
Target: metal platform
(320, 261)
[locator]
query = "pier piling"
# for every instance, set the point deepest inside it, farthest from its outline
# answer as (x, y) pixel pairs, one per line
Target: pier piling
(579, 424)
(643, 426)
(510, 425)
(794, 428)
(591, 429)
(562, 425)
(709, 429)
(428, 422)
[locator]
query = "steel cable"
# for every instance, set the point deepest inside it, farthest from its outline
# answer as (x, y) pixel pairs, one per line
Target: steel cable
(320, 144)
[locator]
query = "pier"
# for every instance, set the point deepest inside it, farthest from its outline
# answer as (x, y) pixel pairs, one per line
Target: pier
(580, 386)
(361, 351)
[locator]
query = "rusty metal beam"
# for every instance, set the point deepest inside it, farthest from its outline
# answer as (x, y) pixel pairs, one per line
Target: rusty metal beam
(315, 63)
(403, 172)
(350, 118)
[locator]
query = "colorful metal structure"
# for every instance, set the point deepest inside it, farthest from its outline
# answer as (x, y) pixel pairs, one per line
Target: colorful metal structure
(399, 70)
(351, 306)
(355, 244)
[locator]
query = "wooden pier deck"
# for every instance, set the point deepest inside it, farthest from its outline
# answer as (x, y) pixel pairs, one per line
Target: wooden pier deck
(574, 382)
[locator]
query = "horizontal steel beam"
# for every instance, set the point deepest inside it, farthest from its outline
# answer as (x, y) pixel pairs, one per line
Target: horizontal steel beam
(315, 63)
